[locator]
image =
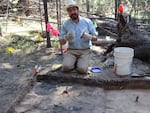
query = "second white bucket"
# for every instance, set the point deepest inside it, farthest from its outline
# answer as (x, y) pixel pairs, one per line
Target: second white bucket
(123, 57)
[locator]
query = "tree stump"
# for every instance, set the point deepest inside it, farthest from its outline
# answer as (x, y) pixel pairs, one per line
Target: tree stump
(131, 37)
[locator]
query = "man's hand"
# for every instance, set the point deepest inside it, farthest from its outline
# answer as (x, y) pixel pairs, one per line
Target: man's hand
(69, 36)
(87, 36)
(94, 38)
(63, 41)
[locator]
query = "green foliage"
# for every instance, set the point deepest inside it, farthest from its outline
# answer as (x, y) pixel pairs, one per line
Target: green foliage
(23, 44)
(55, 44)
(14, 1)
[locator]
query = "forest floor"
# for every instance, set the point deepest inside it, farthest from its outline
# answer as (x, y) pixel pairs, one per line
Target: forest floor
(20, 93)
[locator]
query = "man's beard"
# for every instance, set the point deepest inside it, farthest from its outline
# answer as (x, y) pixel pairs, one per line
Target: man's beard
(74, 16)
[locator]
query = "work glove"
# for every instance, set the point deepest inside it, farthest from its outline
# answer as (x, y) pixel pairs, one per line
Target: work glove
(87, 36)
(69, 36)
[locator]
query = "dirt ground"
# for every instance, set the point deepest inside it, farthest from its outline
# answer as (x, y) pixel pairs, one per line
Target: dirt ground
(48, 98)
(16, 72)
(14, 76)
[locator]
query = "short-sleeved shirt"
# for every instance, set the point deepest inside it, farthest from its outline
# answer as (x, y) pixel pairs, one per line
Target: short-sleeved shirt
(77, 29)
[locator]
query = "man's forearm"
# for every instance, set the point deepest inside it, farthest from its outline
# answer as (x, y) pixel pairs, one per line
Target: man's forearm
(87, 36)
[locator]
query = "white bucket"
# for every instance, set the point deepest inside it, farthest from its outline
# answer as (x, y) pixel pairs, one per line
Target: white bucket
(123, 57)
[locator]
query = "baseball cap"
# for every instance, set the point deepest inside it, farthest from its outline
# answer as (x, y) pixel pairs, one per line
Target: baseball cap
(71, 3)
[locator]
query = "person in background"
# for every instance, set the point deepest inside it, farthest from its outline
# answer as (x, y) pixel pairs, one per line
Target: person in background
(78, 32)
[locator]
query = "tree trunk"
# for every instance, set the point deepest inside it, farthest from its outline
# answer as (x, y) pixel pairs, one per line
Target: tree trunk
(24, 2)
(117, 2)
(46, 21)
(0, 31)
(88, 7)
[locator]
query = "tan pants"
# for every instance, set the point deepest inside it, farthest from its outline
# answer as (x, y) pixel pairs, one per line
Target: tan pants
(79, 57)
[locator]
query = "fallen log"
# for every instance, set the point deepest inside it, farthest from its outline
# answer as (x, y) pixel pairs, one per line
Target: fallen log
(131, 37)
(100, 42)
(107, 27)
(137, 40)
(112, 34)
